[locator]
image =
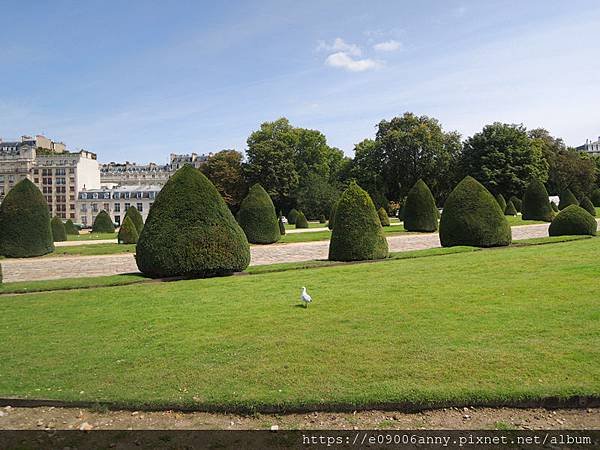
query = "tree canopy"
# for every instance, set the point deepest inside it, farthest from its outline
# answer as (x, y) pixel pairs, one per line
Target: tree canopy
(224, 169)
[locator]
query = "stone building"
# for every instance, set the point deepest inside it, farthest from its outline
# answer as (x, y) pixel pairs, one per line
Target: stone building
(593, 148)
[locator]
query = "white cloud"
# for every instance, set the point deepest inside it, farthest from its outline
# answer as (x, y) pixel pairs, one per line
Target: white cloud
(387, 46)
(344, 61)
(339, 45)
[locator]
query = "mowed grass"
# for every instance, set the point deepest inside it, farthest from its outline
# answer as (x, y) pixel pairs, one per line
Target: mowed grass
(91, 236)
(492, 326)
(92, 250)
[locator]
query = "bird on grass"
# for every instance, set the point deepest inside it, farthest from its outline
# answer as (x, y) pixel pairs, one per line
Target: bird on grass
(306, 299)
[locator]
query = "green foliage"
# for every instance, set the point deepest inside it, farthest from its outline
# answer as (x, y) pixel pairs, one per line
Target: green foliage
(536, 205)
(501, 201)
(587, 204)
(281, 225)
(420, 212)
(292, 216)
(472, 216)
(59, 234)
(567, 199)
(136, 218)
(573, 220)
(595, 198)
(554, 206)
(383, 217)
(225, 170)
(357, 232)
(504, 158)
(190, 232)
(25, 222)
(0, 274)
(257, 217)
(322, 219)
(70, 228)
(517, 202)
(315, 195)
(331, 220)
(401, 210)
(301, 221)
(128, 233)
(510, 209)
(103, 223)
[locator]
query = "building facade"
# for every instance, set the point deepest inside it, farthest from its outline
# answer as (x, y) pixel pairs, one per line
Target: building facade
(58, 173)
(591, 147)
(115, 201)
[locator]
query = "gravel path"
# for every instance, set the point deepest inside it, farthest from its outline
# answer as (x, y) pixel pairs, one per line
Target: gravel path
(91, 266)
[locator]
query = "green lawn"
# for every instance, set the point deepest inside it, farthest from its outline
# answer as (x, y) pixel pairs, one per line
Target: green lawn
(483, 326)
(91, 236)
(92, 249)
(326, 235)
(310, 225)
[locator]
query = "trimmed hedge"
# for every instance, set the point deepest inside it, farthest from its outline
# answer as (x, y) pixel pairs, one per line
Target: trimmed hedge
(573, 220)
(401, 211)
(383, 217)
(301, 221)
(322, 219)
(331, 220)
(510, 209)
(128, 232)
(25, 222)
(472, 216)
(292, 215)
(554, 206)
(586, 204)
(357, 233)
(517, 202)
(190, 231)
(59, 234)
(420, 211)
(258, 218)
(281, 225)
(567, 198)
(70, 228)
(595, 198)
(501, 201)
(536, 205)
(137, 219)
(103, 223)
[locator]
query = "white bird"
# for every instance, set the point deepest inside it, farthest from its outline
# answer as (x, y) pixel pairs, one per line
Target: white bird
(305, 297)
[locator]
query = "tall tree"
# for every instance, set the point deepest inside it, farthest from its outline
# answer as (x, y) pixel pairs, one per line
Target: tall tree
(504, 158)
(225, 170)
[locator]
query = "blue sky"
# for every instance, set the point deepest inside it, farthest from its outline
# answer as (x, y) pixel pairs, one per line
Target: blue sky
(138, 80)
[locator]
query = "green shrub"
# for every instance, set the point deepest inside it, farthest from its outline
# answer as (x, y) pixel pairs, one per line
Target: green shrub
(501, 201)
(190, 231)
(401, 211)
(70, 228)
(135, 216)
(383, 217)
(517, 202)
(586, 204)
(510, 209)
(257, 217)
(595, 198)
(567, 199)
(554, 207)
(301, 221)
(472, 216)
(0, 273)
(331, 220)
(281, 225)
(322, 219)
(103, 223)
(292, 215)
(59, 234)
(420, 212)
(357, 233)
(128, 232)
(25, 222)
(536, 205)
(573, 220)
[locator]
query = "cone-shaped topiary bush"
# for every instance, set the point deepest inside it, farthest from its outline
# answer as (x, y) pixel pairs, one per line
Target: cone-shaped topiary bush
(510, 209)
(420, 212)
(135, 216)
(573, 220)
(190, 231)
(595, 198)
(331, 220)
(472, 216)
(586, 204)
(25, 222)
(281, 225)
(257, 217)
(59, 234)
(357, 233)
(501, 201)
(516, 201)
(554, 206)
(383, 217)
(401, 211)
(536, 205)
(322, 219)
(566, 199)
(70, 228)
(292, 215)
(103, 223)
(301, 221)
(128, 232)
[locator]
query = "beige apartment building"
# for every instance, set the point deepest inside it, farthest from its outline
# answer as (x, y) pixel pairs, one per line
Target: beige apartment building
(58, 173)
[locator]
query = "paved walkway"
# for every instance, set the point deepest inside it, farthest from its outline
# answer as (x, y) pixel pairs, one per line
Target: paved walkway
(91, 266)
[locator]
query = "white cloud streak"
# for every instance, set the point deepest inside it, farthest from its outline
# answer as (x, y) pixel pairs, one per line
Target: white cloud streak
(387, 46)
(339, 45)
(343, 60)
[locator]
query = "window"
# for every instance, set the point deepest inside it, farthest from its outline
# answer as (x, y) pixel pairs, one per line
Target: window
(127, 205)
(140, 207)
(118, 220)
(36, 180)
(72, 215)
(106, 207)
(117, 208)
(94, 207)
(83, 208)
(84, 220)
